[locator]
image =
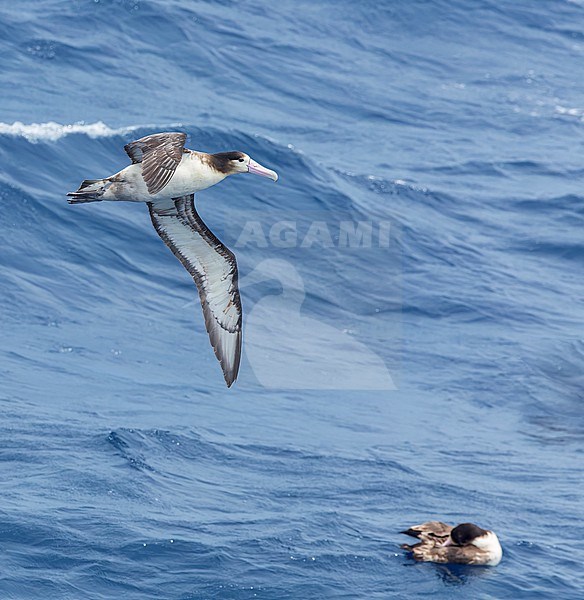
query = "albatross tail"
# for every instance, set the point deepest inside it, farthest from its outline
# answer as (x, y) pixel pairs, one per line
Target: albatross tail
(90, 190)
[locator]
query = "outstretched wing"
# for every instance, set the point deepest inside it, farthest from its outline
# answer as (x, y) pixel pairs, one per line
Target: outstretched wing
(214, 269)
(160, 155)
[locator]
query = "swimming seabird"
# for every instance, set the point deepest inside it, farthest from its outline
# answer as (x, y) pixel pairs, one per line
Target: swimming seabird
(166, 176)
(466, 544)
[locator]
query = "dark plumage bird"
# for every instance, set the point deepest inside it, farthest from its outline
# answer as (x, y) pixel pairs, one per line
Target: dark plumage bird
(466, 544)
(166, 176)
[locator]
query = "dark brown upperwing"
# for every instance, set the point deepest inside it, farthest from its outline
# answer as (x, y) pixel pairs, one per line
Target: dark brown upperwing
(160, 155)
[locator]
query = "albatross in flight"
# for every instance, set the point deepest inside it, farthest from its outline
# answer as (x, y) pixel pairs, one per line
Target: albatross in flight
(166, 176)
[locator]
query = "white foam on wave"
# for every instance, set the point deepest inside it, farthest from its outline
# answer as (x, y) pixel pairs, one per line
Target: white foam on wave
(51, 131)
(570, 112)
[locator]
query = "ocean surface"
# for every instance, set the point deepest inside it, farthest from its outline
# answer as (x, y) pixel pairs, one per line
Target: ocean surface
(412, 288)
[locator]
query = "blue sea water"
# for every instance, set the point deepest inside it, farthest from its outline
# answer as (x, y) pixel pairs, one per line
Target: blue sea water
(127, 468)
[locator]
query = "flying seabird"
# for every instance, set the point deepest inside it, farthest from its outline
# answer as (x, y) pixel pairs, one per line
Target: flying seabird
(466, 544)
(166, 176)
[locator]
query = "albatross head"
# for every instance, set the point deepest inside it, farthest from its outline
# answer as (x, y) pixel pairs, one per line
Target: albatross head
(239, 162)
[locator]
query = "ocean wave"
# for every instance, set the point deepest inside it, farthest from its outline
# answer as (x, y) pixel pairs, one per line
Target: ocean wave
(51, 131)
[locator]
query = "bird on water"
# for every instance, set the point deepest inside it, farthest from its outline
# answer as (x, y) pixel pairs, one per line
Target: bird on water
(466, 544)
(166, 176)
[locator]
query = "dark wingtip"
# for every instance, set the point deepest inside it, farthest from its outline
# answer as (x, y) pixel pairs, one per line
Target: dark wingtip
(230, 378)
(411, 532)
